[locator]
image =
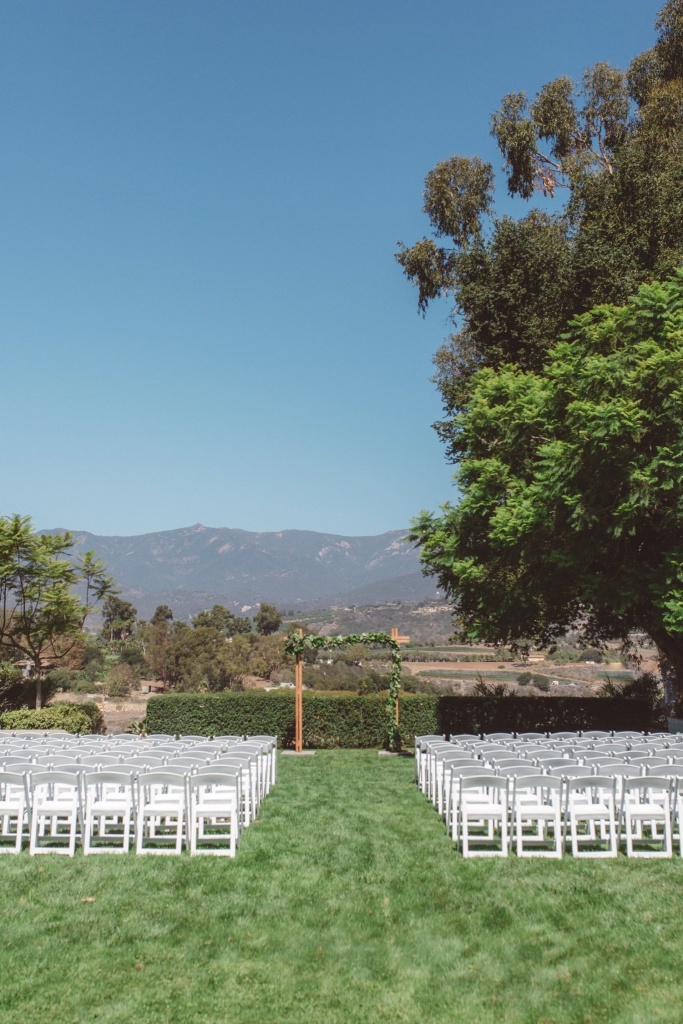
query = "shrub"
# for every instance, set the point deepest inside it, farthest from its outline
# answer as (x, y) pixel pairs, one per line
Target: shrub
(70, 717)
(119, 681)
(541, 683)
(524, 678)
(94, 713)
(60, 678)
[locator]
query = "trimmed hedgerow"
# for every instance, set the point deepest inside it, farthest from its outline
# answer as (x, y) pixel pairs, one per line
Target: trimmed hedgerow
(361, 721)
(70, 717)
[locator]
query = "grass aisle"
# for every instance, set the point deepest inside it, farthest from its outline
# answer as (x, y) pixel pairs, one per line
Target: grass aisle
(346, 904)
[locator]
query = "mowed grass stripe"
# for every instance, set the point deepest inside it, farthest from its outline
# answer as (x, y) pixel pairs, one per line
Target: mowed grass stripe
(346, 903)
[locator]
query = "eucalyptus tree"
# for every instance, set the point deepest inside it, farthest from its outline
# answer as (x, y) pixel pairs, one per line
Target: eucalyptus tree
(608, 150)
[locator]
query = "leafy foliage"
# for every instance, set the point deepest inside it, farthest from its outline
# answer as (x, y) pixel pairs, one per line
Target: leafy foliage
(571, 481)
(267, 619)
(297, 644)
(40, 615)
(361, 721)
(118, 618)
(69, 717)
(611, 144)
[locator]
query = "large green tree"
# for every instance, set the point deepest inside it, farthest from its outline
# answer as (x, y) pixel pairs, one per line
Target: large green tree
(571, 488)
(223, 619)
(40, 614)
(611, 147)
(118, 618)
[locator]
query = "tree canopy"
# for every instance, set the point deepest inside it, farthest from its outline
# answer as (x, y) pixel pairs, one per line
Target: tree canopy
(571, 484)
(611, 146)
(222, 619)
(118, 618)
(40, 615)
(267, 619)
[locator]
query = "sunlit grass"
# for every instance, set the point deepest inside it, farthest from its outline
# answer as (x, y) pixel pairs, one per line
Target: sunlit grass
(346, 903)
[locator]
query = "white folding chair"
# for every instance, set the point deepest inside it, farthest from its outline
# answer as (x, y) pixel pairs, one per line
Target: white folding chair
(646, 803)
(483, 816)
(249, 783)
(214, 811)
(536, 811)
(14, 810)
(109, 808)
(161, 809)
(590, 816)
(55, 798)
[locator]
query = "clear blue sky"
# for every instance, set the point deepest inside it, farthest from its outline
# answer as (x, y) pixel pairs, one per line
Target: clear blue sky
(203, 320)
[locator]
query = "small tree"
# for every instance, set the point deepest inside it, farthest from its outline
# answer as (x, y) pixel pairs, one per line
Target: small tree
(40, 615)
(119, 618)
(162, 614)
(267, 619)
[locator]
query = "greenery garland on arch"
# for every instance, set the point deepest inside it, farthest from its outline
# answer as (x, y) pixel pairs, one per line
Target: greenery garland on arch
(296, 644)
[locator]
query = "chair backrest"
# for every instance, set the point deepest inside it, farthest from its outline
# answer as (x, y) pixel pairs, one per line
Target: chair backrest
(192, 739)
(649, 762)
(594, 782)
(571, 771)
(495, 736)
(506, 763)
(210, 776)
(669, 771)
(474, 782)
(56, 778)
(527, 782)
(462, 737)
(596, 734)
(646, 783)
(14, 779)
(101, 759)
(531, 736)
(465, 772)
(146, 762)
(619, 771)
(563, 735)
(520, 771)
(554, 762)
(188, 762)
(458, 761)
(164, 777)
(110, 777)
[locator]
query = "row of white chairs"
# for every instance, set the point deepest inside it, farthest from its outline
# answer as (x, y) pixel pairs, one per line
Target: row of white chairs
(589, 801)
(161, 797)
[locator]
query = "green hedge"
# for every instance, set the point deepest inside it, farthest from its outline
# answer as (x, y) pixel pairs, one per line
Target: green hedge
(361, 721)
(75, 718)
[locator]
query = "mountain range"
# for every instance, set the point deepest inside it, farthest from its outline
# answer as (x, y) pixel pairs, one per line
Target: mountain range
(198, 566)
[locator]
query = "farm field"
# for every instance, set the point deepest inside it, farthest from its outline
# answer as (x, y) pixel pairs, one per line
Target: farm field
(346, 903)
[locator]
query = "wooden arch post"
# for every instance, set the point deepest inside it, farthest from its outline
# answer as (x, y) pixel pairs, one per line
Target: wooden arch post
(295, 645)
(299, 700)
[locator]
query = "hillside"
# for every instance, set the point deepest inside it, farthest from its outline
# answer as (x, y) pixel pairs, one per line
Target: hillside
(198, 566)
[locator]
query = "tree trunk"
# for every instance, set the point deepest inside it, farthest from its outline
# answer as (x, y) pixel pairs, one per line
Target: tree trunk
(670, 650)
(37, 669)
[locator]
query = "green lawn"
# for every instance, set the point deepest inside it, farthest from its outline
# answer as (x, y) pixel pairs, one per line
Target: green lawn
(346, 903)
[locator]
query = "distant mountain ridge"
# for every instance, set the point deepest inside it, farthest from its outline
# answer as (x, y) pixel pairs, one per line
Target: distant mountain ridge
(198, 566)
